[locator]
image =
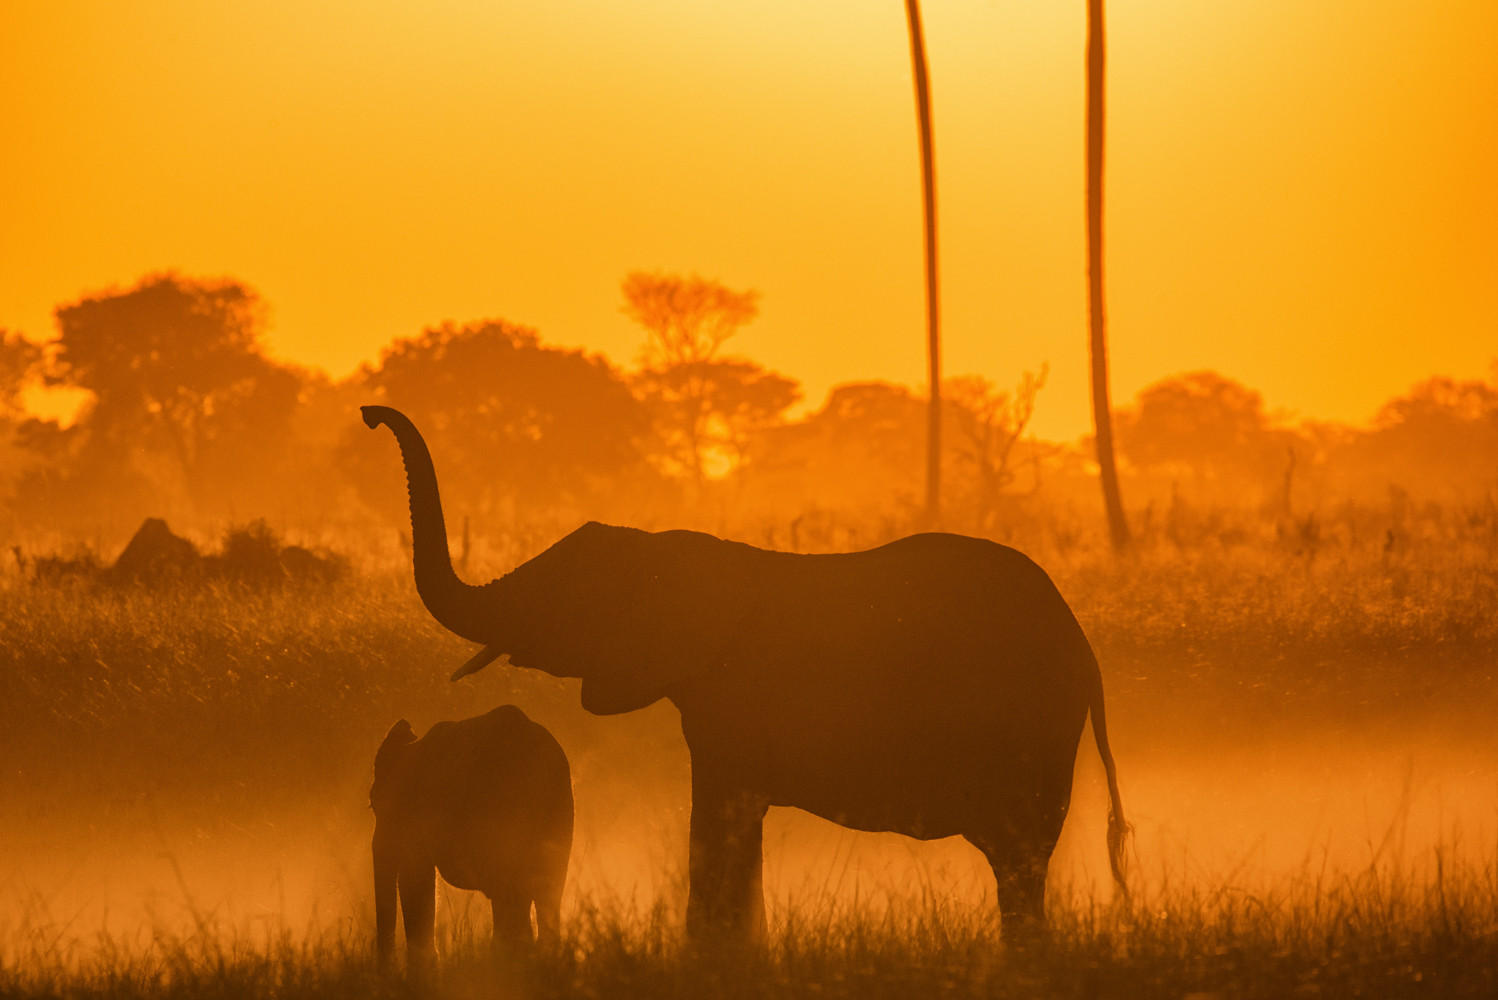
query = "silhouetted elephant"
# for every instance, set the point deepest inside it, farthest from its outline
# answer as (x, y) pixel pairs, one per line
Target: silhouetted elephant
(933, 686)
(488, 803)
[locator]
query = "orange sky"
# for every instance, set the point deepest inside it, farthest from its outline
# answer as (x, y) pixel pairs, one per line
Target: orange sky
(1300, 193)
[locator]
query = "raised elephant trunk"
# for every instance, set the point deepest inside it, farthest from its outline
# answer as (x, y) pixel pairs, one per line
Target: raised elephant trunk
(458, 606)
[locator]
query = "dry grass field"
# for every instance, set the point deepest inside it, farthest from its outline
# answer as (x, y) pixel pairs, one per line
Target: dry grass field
(1302, 722)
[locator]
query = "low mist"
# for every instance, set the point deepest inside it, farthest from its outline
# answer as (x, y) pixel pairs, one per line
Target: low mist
(1282, 797)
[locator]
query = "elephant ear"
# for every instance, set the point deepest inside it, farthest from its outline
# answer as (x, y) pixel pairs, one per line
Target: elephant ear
(677, 615)
(634, 614)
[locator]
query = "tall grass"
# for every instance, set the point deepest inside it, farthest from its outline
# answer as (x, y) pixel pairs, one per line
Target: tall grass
(1381, 933)
(218, 707)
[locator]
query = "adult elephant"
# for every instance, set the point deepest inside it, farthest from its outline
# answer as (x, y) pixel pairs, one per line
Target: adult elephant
(934, 686)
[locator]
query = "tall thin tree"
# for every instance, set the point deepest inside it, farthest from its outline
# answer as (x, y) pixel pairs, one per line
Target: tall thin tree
(1102, 419)
(928, 191)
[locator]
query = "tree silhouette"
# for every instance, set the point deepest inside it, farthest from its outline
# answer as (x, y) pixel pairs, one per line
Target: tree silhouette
(990, 422)
(1118, 527)
(520, 426)
(1438, 439)
(705, 408)
(686, 318)
(168, 362)
(707, 411)
(1209, 430)
(20, 364)
(182, 403)
(852, 456)
(928, 202)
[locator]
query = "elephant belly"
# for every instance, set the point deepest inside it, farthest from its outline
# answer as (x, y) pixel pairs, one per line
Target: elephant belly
(920, 797)
(461, 873)
(488, 857)
(927, 769)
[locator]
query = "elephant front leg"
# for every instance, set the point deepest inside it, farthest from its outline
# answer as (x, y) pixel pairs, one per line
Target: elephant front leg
(725, 861)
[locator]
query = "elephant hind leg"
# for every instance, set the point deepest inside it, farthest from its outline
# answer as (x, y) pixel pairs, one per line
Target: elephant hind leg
(1019, 879)
(512, 943)
(512, 918)
(1020, 834)
(1019, 859)
(549, 911)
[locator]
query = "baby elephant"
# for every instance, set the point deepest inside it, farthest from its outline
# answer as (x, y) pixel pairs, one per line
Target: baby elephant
(487, 802)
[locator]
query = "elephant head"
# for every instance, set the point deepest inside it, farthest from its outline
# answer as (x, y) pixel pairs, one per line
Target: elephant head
(590, 606)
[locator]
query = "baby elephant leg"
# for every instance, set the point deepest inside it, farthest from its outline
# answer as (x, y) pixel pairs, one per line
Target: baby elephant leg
(418, 895)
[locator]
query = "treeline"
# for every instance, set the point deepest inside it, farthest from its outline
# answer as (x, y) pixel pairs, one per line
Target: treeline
(187, 418)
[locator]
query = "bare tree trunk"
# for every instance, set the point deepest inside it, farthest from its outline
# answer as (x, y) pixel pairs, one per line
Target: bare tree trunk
(928, 190)
(1102, 419)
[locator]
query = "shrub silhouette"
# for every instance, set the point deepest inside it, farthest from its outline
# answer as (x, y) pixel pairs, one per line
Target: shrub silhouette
(253, 554)
(155, 555)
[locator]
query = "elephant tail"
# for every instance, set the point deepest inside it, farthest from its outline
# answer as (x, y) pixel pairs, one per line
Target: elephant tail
(1119, 829)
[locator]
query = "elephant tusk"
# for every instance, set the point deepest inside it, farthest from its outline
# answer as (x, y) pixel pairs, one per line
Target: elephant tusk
(477, 662)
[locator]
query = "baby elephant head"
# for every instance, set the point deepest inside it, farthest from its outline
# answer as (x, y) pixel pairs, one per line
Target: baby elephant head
(392, 751)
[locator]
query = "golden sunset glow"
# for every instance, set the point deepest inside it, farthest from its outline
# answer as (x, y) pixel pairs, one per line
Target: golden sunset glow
(1299, 195)
(478, 516)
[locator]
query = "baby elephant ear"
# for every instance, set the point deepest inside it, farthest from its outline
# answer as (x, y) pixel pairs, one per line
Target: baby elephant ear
(401, 734)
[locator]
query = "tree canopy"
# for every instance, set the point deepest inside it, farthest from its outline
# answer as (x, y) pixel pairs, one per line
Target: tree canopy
(515, 424)
(687, 318)
(187, 418)
(20, 362)
(184, 410)
(704, 407)
(1209, 430)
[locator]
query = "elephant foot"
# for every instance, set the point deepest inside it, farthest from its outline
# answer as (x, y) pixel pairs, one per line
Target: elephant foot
(1023, 933)
(717, 932)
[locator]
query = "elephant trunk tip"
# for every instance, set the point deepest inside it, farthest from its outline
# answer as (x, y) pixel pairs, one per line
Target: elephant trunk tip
(373, 416)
